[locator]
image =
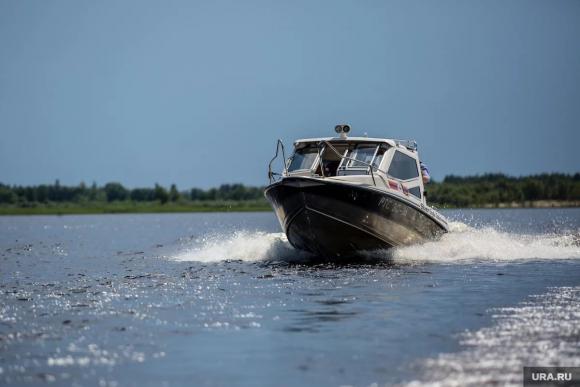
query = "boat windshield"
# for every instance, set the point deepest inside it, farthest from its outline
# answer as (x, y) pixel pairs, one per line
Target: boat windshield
(303, 158)
(362, 152)
(360, 156)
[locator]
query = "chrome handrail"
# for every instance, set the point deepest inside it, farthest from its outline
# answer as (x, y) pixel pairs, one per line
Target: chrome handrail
(321, 161)
(271, 174)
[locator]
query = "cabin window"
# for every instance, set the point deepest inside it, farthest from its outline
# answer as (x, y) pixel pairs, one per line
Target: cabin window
(415, 191)
(332, 157)
(403, 167)
(360, 157)
(379, 157)
(303, 158)
(361, 152)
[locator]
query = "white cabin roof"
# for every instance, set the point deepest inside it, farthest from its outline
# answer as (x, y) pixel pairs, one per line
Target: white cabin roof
(354, 139)
(391, 142)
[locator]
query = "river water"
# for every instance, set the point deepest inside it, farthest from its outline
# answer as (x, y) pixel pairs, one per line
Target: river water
(223, 299)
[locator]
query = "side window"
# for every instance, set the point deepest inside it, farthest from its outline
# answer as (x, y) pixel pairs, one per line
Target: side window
(416, 191)
(403, 167)
(303, 159)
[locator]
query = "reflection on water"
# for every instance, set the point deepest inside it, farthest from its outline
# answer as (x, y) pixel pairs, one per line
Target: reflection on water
(217, 299)
(321, 311)
(542, 330)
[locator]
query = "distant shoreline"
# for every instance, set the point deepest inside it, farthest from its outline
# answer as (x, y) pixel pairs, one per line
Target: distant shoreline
(206, 207)
(537, 204)
(513, 205)
(492, 190)
(132, 208)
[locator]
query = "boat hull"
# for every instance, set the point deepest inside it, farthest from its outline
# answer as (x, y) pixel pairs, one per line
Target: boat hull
(330, 218)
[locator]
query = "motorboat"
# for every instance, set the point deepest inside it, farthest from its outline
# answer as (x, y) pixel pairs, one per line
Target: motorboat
(344, 195)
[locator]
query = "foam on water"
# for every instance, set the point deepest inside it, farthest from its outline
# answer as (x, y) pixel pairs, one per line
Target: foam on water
(463, 244)
(242, 245)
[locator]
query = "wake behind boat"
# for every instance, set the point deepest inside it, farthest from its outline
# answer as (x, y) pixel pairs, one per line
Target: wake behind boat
(343, 195)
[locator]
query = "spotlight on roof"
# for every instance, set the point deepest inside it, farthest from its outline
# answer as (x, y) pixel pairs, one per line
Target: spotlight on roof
(342, 130)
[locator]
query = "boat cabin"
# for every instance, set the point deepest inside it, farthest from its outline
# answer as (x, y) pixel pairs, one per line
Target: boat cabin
(387, 164)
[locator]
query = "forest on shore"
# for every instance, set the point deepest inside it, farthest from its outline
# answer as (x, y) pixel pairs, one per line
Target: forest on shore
(488, 190)
(496, 189)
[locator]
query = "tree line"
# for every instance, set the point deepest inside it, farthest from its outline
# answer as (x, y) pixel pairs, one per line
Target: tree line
(112, 192)
(495, 188)
(455, 191)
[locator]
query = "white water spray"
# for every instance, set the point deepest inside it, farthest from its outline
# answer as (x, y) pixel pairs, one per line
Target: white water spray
(465, 243)
(462, 244)
(244, 246)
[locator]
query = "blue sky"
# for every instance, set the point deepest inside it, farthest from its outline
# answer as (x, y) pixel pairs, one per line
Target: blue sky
(197, 92)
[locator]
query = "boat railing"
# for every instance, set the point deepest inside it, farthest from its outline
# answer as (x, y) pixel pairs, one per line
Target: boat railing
(271, 174)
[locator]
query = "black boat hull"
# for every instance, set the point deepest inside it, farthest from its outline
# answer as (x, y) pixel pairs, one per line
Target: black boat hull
(332, 219)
